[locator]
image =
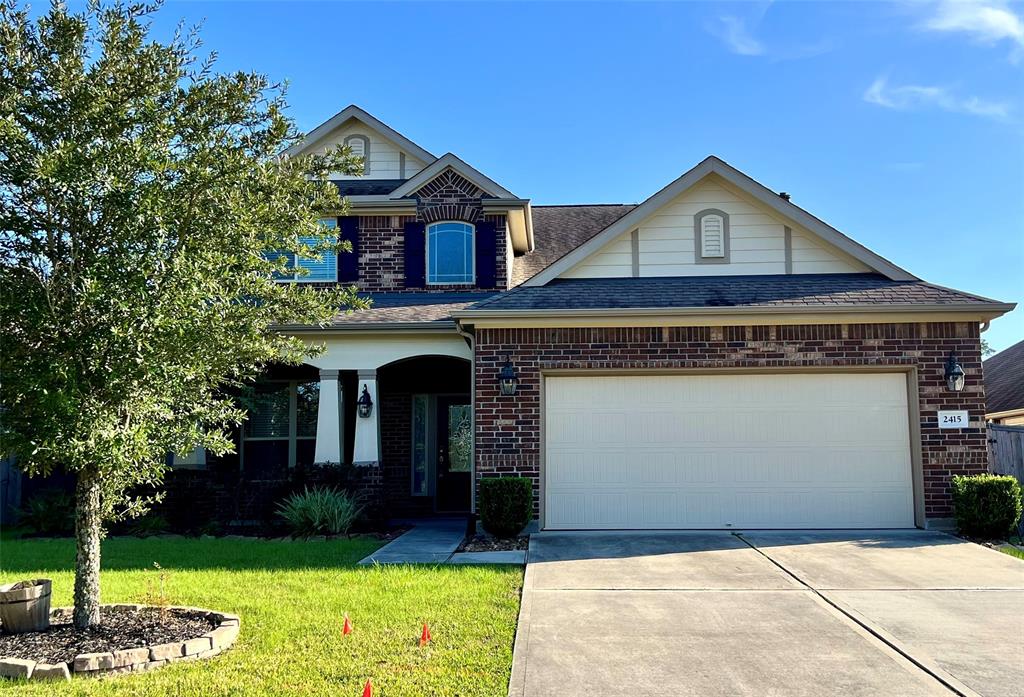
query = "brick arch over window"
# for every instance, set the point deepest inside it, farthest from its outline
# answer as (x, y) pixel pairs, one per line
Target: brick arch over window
(449, 196)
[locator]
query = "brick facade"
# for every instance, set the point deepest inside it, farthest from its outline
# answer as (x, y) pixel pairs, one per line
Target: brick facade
(382, 260)
(508, 428)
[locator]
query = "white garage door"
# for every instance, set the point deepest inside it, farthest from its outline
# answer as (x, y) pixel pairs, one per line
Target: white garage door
(727, 451)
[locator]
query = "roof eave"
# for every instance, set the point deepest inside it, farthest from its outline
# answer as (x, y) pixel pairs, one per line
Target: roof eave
(980, 310)
(435, 327)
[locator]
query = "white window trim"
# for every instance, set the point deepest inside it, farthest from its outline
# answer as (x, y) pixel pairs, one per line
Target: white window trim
(472, 254)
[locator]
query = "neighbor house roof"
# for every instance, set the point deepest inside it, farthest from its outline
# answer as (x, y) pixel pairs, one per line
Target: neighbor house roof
(1004, 380)
(864, 291)
(558, 230)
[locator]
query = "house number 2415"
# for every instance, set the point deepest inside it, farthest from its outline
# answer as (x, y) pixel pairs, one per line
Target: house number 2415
(953, 419)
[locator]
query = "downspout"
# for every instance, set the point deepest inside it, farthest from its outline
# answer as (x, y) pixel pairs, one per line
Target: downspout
(471, 340)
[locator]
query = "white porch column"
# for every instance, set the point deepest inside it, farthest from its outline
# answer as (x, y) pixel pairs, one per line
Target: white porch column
(328, 419)
(367, 441)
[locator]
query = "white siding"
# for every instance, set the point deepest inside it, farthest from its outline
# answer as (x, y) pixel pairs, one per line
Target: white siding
(385, 156)
(756, 242)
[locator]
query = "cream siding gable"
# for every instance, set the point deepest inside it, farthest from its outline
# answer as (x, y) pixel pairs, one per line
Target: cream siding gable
(387, 160)
(666, 244)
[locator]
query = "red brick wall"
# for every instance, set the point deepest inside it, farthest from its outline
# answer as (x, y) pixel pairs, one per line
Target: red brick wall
(382, 254)
(508, 428)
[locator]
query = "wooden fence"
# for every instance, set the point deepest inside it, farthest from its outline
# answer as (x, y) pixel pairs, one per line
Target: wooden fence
(1006, 450)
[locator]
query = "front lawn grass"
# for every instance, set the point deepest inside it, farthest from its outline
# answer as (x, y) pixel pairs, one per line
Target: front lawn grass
(292, 597)
(1013, 552)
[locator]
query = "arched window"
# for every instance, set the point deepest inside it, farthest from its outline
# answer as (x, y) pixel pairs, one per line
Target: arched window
(711, 236)
(360, 146)
(450, 253)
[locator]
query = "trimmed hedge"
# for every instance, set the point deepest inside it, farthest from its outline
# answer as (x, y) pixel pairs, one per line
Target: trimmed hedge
(506, 505)
(987, 505)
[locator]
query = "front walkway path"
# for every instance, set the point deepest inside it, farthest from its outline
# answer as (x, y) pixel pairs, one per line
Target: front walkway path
(429, 542)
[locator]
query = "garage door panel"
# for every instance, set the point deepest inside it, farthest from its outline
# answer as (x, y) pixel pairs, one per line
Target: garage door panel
(808, 450)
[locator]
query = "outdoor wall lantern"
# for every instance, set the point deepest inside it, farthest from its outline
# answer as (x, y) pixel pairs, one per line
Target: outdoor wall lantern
(508, 381)
(365, 404)
(955, 375)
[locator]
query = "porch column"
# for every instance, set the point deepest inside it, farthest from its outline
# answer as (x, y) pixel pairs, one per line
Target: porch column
(328, 419)
(367, 440)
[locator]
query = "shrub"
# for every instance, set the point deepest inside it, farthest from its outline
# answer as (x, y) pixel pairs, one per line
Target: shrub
(319, 511)
(50, 512)
(987, 505)
(506, 505)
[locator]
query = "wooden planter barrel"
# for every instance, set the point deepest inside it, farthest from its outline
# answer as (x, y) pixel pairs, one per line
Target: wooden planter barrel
(25, 606)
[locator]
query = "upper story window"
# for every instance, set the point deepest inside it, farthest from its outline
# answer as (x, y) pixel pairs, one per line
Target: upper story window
(450, 253)
(324, 269)
(711, 236)
(360, 146)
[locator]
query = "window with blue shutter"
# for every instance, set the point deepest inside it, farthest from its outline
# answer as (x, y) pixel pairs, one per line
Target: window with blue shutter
(415, 255)
(348, 262)
(486, 254)
(319, 270)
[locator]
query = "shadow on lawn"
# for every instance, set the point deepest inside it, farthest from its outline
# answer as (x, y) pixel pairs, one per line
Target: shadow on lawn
(127, 553)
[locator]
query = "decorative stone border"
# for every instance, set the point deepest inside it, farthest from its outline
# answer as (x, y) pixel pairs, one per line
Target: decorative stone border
(135, 660)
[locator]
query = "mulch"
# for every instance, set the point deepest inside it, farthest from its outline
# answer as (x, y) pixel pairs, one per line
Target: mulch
(486, 543)
(118, 629)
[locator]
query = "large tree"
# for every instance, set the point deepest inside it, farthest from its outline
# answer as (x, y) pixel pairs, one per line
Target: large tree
(139, 193)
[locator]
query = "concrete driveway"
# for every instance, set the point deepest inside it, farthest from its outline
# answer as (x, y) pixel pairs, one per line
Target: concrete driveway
(894, 613)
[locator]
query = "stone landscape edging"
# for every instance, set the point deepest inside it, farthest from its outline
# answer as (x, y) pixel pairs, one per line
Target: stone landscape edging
(133, 660)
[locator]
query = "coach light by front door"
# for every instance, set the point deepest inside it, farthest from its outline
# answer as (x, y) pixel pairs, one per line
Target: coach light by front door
(365, 403)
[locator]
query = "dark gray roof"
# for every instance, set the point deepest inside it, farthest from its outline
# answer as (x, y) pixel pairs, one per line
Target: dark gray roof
(798, 290)
(557, 230)
(366, 187)
(404, 308)
(1004, 379)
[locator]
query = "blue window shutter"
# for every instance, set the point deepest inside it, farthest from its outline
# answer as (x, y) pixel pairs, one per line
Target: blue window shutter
(348, 262)
(415, 255)
(486, 254)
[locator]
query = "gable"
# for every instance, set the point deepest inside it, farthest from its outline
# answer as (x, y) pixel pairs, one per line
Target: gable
(756, 241)
(386, 159)
(389, 154)
(812, 242)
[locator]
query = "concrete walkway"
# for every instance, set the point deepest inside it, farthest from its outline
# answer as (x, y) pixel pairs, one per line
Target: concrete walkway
(783, 614)
(429, 542)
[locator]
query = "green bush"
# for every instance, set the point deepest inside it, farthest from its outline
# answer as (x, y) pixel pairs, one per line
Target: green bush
(506, 505)
(319, 511)
(51, 512)
(987, 505)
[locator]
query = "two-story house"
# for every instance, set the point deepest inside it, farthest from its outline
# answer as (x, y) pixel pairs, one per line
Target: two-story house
(714, 357)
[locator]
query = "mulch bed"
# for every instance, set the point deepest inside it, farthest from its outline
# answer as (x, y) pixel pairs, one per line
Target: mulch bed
(118, 629)
(486, 543)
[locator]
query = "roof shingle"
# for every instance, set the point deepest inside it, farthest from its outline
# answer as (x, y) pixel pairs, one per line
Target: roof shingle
(557, 230)
(404, 308)
(798, 290)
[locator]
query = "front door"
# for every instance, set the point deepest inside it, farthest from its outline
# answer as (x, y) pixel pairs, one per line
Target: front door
(454, 454)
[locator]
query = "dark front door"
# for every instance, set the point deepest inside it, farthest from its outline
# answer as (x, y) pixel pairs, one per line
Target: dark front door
(454, 453)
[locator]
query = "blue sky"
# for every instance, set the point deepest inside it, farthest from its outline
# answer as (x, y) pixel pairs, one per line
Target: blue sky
(901, 124)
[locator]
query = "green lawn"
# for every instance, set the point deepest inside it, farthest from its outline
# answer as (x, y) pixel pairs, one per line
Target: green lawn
(1012, 551)
(291, 597)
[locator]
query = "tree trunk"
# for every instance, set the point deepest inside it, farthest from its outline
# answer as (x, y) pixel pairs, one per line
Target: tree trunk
(87, 550)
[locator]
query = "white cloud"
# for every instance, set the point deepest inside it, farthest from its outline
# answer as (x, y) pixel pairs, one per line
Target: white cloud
(985, 21)
(737, 37)
(908, 97)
